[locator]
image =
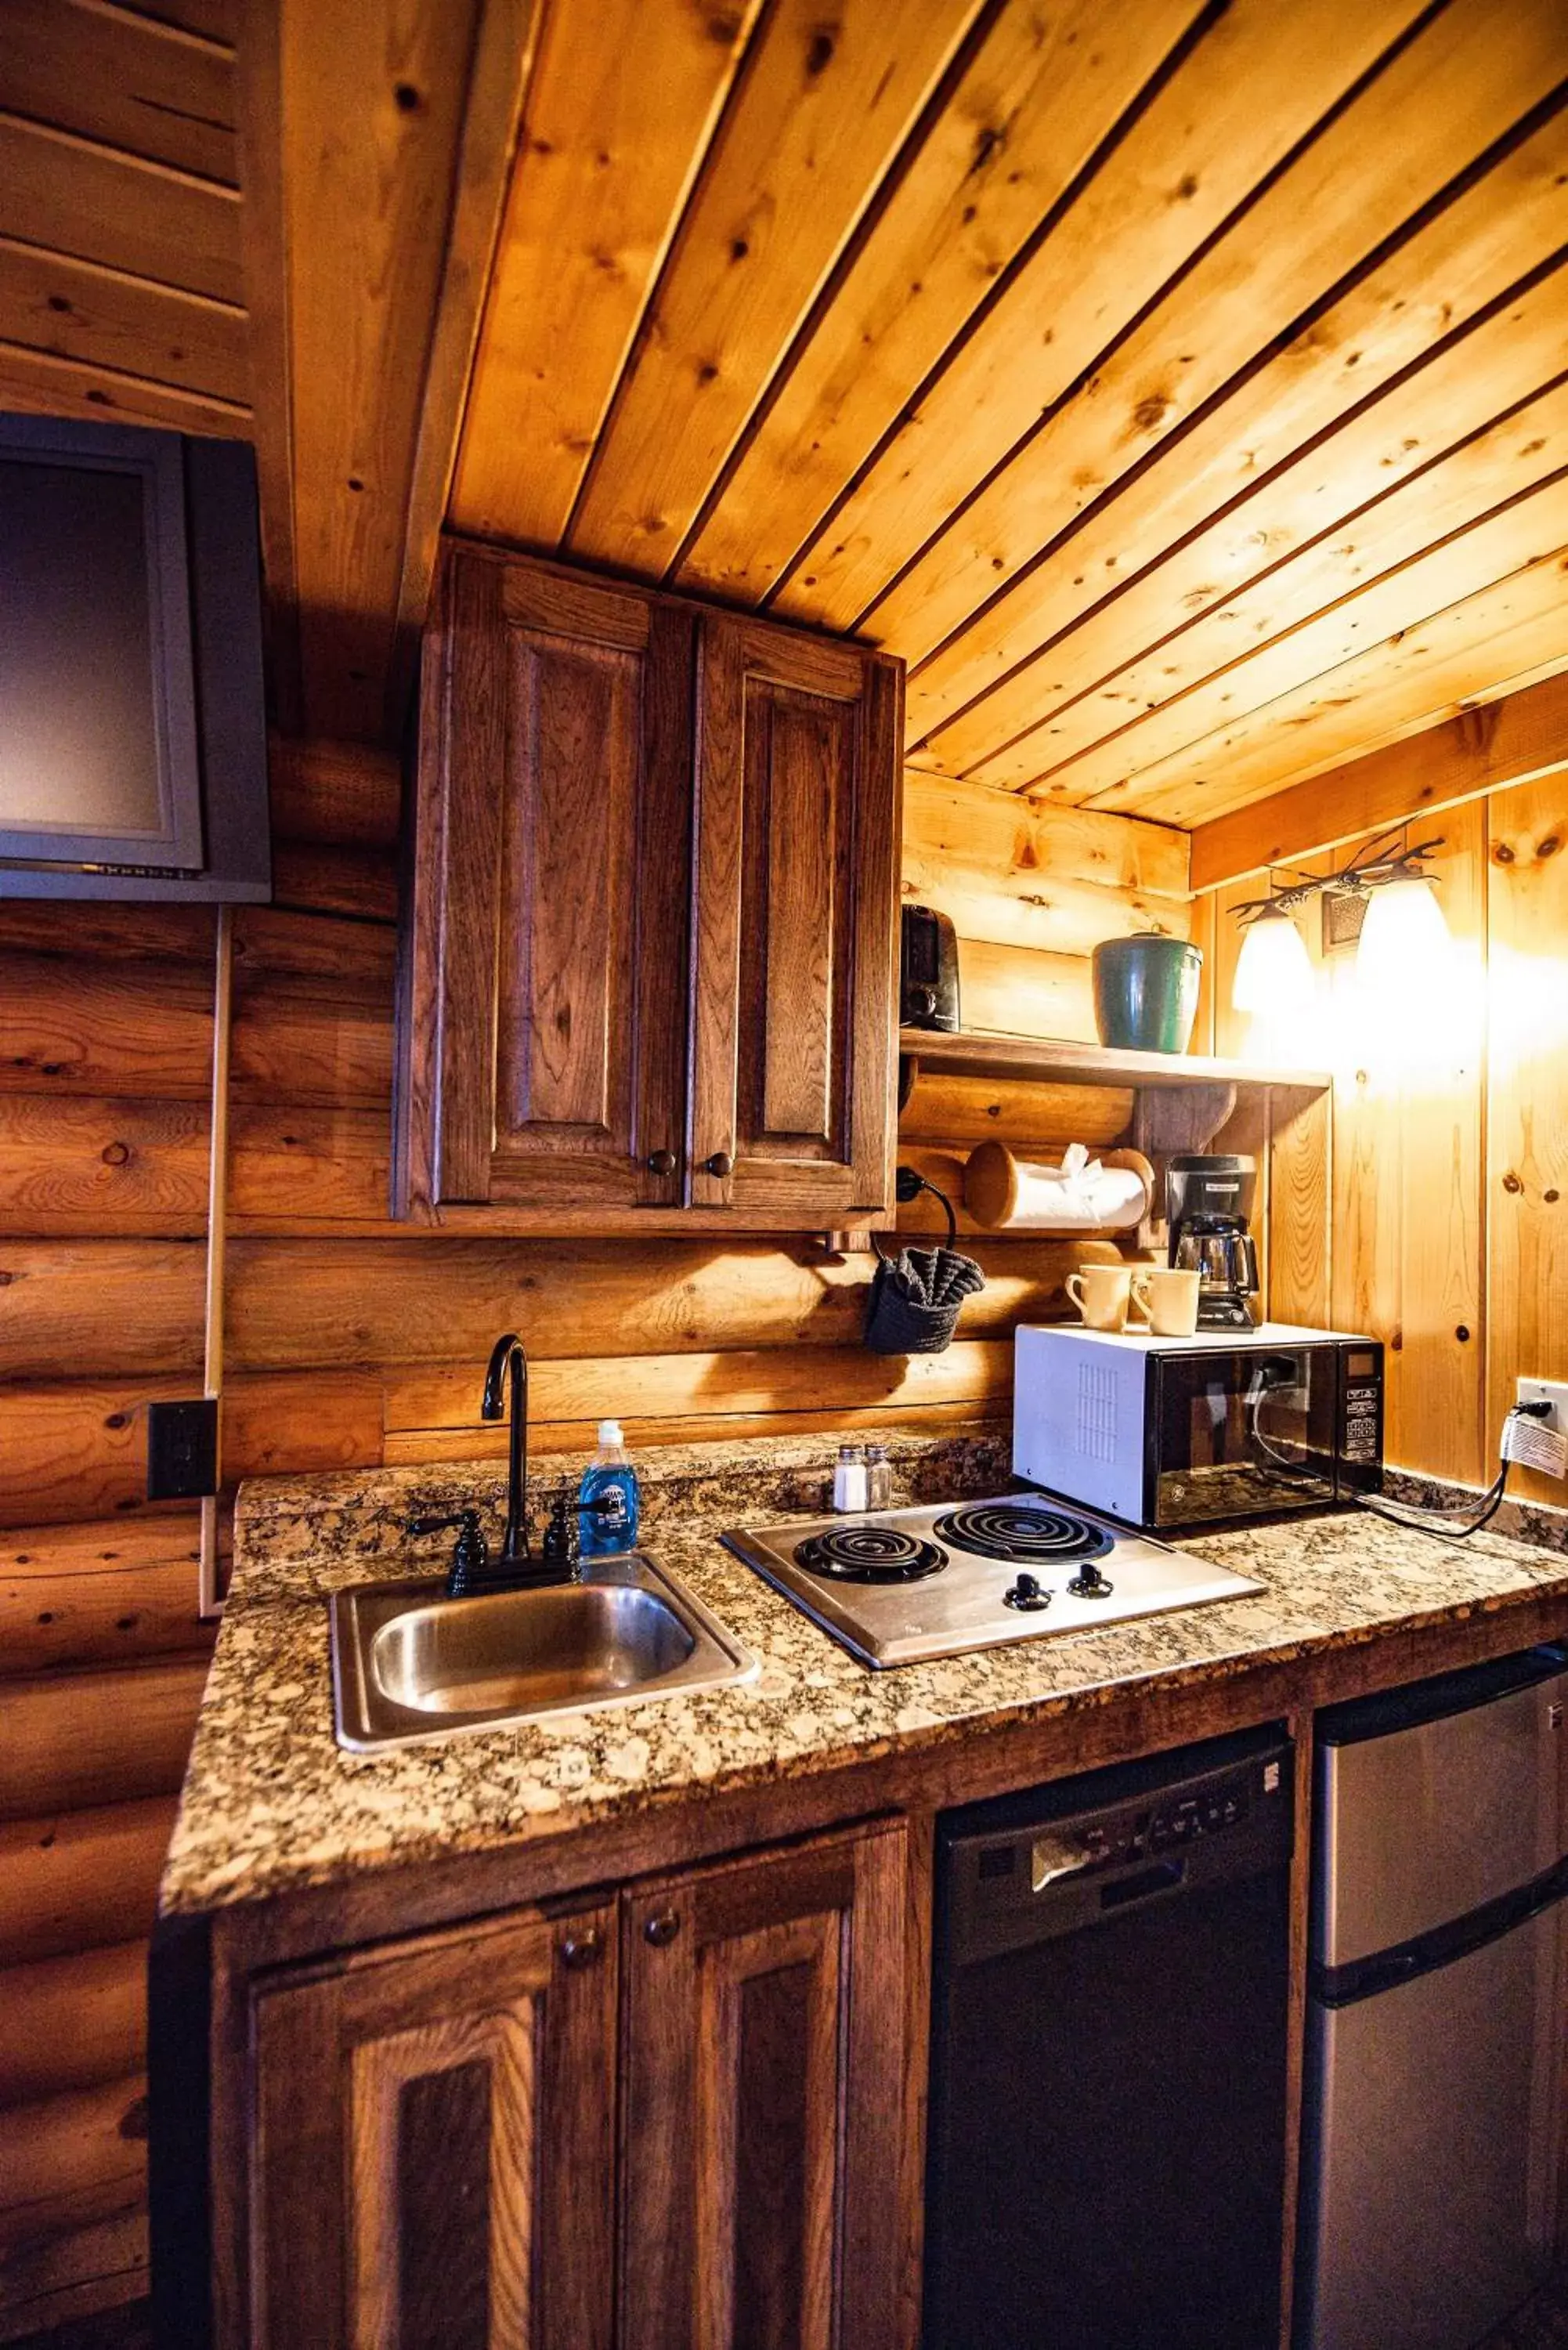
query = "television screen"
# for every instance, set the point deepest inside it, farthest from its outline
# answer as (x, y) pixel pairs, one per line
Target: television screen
(132, 733)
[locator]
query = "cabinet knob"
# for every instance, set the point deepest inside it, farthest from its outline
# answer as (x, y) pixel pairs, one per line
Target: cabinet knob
(661, 1929)
(582, 1950)
(662, 1162)
(719, 1164)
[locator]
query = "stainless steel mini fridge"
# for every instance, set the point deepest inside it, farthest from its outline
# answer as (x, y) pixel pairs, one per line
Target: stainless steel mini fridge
(1435, 2025)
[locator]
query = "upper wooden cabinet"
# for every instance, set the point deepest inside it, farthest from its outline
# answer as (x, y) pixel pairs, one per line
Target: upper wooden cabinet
(649, 964)
(545, 1031)
(796, 877)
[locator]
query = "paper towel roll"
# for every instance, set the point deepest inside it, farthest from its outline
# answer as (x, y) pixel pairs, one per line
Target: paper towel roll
(1006, 1194)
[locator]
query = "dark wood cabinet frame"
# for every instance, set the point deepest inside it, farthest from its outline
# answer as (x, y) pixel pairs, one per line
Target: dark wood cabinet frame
(648, 975)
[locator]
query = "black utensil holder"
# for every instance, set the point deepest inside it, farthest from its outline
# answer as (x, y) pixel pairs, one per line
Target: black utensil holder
(896, 1324)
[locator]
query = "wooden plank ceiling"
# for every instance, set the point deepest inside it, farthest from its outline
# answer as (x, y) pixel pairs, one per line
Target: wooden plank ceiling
(121, 278)
(1180, 386)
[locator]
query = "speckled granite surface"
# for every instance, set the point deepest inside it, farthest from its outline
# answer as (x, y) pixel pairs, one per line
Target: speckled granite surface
(271, 1802)
(1529, 1522)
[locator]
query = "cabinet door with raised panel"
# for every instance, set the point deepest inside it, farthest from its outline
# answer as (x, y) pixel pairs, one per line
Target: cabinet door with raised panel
(767, 2193)
(794, 903)
(432, 2144)
(545, 1028)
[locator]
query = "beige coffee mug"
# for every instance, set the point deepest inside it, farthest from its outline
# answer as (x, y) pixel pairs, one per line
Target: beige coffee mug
(1102, 1293)
(1169, 1295)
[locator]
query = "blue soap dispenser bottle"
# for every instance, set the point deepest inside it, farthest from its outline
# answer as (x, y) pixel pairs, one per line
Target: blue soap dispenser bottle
(610, 1477)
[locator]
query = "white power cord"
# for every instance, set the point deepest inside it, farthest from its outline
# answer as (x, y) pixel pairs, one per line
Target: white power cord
(1524, 1439)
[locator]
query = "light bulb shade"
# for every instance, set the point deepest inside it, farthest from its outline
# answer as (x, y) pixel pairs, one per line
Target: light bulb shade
(1403, 939)
(1273, 970)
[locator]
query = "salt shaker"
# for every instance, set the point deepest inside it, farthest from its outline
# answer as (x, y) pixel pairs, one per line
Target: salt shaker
(850, 1480)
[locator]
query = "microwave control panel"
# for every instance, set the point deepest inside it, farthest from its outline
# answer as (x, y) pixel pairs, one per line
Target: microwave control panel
(1361, 1423)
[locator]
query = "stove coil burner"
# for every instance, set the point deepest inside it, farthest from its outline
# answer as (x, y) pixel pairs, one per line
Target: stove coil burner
(1024, 1532)
(870, 1555)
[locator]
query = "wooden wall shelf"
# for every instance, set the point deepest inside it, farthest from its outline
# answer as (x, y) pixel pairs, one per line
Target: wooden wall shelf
(977, 1054)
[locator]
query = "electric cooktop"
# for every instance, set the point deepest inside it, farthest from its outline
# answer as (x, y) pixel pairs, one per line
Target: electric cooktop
(897, 1587)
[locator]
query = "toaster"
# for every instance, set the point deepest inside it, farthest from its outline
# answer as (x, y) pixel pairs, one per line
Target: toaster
(928, 971)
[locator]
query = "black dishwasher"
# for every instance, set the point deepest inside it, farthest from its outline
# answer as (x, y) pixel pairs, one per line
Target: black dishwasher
(1107, 2125)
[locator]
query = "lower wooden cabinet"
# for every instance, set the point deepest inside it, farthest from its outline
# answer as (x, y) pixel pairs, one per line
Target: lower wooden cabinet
(762, 2102)
(432, 2154)
(673, 2119)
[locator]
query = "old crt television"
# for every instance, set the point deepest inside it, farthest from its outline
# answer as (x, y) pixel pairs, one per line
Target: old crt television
(132, 727)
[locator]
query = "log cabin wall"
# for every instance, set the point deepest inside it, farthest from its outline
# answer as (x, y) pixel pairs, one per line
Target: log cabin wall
(1338, 456)
(1450, 1107)
(351, 1341)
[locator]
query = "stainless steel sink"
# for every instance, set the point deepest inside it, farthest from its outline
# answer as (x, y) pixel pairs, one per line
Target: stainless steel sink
(409, 1664)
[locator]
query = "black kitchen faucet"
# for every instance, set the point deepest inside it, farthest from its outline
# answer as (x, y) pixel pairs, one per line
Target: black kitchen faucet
(517, 1568)
(508, 1355)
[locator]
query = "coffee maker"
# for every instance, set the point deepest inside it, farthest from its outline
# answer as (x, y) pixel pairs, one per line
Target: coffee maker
(1207, 1203)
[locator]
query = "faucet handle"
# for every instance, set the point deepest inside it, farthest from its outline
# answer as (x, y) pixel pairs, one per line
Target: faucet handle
(561, 1546)
(471, 1552)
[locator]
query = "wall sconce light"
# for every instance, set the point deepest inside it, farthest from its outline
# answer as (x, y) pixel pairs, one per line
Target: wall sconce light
(1403, 930)
(1403, 920)
(1273, 970)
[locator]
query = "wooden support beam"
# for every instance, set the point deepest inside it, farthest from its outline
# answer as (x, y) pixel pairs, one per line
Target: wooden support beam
(395, 126)
(1505, 742)
(499, 76)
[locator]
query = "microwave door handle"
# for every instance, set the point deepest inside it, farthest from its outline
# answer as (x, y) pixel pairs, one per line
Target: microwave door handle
(1258, 1388)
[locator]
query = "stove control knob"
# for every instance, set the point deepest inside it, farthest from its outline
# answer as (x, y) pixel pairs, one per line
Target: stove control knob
(1027, 1595)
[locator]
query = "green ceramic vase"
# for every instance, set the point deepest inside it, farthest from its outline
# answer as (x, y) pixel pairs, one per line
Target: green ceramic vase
(1146, 991)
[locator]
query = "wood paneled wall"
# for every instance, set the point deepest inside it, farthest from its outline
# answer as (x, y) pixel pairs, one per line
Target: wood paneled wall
(1450, 1125)
(350, 1342)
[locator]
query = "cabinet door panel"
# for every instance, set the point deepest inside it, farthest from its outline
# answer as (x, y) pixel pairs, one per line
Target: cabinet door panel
(433, 2146)
(800, 760)
(567, 927)
(768, 2093)
(441, 2123)
(764, 2190)
(795, 894)
(547, 1018)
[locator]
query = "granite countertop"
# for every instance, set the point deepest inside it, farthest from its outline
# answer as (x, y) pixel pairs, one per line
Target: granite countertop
(272, 1805)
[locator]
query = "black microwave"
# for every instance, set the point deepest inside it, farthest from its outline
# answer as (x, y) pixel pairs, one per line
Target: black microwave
(1171, 1432)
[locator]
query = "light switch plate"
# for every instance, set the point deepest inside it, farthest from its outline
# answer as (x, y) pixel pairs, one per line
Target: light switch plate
(181, 1450)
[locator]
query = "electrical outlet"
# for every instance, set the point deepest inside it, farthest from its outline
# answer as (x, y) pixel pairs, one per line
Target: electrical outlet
(181, 1450)
(1542, 1444)
(1552, 1391)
